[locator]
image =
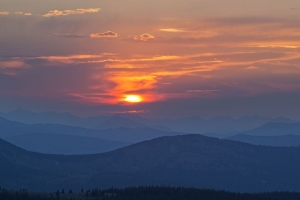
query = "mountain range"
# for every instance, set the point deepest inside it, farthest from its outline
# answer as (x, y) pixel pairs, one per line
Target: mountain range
(68, 140)
(64, 144)
(275, 129)
(189, 160)
(62, 139)
(194, 124)
(276, 141)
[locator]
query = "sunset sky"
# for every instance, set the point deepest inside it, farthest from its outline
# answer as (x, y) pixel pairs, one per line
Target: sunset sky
(158, 58)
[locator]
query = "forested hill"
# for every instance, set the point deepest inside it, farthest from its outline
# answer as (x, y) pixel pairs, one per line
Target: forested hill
(145, 193)
(189, 161)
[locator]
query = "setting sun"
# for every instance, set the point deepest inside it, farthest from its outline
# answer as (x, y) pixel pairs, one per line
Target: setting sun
(133, 98)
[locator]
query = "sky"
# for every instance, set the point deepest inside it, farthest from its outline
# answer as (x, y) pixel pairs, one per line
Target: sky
(169, 58)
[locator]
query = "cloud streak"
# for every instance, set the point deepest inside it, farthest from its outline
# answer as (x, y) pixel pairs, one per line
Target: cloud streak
(57, 13)
(69, 35)
(4, 13)
(107, 34)
(144, 37)
(22, 13)
(11, 67)
(172, 30)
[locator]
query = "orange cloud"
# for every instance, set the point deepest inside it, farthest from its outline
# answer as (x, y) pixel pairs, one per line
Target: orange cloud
(57, 13)
(4, 13)
(144, 37)
(251, 68)
(10, 67)
(12, 64)
(107, 34)
(172, 30)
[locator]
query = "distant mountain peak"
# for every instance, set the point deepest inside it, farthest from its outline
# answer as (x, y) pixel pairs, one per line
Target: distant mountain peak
(117, 121)
(4, 120)
(20, 110)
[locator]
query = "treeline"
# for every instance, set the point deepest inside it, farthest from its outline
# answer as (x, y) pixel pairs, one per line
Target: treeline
(146, 193)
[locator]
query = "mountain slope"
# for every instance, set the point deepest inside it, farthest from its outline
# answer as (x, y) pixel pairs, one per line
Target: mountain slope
(61, 139)
(29, 117)
(276, 141)
(117, 121)
(64, 144)
(190, 160)
(127, 135)
(275, 129)
(194, 124)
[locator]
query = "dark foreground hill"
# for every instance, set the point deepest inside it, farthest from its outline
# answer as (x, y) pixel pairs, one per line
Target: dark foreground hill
(190, 161)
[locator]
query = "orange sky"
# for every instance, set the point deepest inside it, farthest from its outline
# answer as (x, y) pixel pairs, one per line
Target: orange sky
(95, 53)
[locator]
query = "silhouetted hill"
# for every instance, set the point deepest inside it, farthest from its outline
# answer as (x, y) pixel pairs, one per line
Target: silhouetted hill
(190, 160)
(217, 125)
(276, 141)
(128, 135)
(193, 124)
(117, 121)
(64, 144)
(275, 129)
(120, 121)
(10, 128)
(29, 117)
(61, 139)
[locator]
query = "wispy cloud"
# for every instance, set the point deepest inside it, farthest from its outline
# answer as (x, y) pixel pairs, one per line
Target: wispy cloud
(57, 13)
(107, 34)
(22, 13)
(74, 59)
(172, 30)
(4, 13)
(10, 67)
(66, 35)
(144, 37)
(251, 68)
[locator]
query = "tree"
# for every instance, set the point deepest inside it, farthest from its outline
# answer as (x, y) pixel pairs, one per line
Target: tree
(57, 194)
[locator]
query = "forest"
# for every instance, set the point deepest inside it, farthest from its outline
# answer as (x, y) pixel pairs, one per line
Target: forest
(145, 193)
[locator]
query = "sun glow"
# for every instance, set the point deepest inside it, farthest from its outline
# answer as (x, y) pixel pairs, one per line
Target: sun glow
(133, 98)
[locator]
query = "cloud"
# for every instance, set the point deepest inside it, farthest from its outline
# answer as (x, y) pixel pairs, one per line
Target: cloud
(10, 67)
(57, 13)
(251, 68)
(69, 35)
(144, 37)
(74, 59)
(107, 34)
(172, 30)
(13, 64)
(4, 13)
(22, 13)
